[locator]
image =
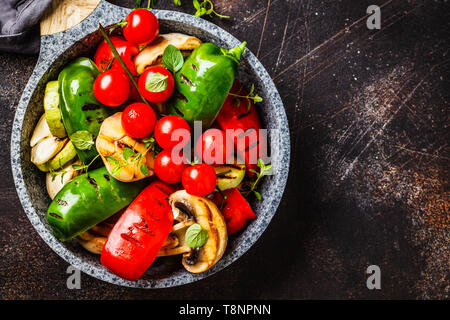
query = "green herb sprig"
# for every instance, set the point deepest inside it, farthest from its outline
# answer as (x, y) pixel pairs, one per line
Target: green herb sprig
(76, 167)
(251, 96)
(264, 170)
(202, 9)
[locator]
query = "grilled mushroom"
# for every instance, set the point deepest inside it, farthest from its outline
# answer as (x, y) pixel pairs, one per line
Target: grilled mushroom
(189, 208)
(111, 142)
(152, 53)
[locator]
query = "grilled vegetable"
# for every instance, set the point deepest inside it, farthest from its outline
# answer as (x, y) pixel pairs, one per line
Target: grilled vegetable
(139, 234)
(111, 144)
(240, 114)
(203, 83)
(44, 145)
(56, 181)
(80, 110)
(235, 209)
(187, 207)
(88, 199)
(151, 54)
(52, 111)
(229, 175)
(63, 157)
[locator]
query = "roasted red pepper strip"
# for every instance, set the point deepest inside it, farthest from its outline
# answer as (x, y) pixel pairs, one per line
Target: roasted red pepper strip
(236, 114)
(235, 210)
(136, 238)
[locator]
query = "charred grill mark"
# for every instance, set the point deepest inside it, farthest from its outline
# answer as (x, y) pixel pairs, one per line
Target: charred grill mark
(129, 238)
(185, 79)
(89, 119)
(59, 139)
(254, 145)
(243, 115)
(100, 119)
(162, 189)
(123, 145)
(107, 177)
(55, 215)
(181, 96)
(93, 182)
(194, 67)
(90, 107)
(61, 202)
(158, 202)
(179, 112)
(245, 133)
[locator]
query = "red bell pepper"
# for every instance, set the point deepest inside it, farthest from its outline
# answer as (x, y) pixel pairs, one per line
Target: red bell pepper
(139, 234)
(235, 209)
(236, 114)
(126, 50)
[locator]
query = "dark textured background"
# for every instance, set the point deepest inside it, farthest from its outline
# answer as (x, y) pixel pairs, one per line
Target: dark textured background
(368, 113)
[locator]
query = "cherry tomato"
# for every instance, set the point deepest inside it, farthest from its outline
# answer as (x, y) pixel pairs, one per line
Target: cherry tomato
(138, 120)
(142, 27)
(158, 79)
(166, 126)
(125, 49)
(214, 147)
(168, 169)
(112, 87)
(199, 180)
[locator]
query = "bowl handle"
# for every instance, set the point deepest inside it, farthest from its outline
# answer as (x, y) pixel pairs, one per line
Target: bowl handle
(106, 13)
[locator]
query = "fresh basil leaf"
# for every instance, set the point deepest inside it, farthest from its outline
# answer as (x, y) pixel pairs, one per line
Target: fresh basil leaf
(144, 169)
(82, 140)
(257, 195)
(156, 82)
(173, 58)
(196, 236)
(127, 153)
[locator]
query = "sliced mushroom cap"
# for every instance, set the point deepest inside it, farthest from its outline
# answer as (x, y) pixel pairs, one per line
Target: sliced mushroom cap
(111, 142)
(150, 54)
(179, 246)
(187, 207)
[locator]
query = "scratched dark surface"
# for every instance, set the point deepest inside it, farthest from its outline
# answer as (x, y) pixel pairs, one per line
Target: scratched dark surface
(368, 114)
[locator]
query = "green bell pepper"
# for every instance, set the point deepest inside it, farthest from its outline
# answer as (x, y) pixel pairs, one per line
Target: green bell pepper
(87, 200)
(80, 110)
(202, 84)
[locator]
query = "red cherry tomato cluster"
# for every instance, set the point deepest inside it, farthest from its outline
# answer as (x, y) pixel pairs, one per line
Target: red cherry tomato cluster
(112, 89)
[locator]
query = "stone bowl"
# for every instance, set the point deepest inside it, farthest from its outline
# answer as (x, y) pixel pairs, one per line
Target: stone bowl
(81, 40)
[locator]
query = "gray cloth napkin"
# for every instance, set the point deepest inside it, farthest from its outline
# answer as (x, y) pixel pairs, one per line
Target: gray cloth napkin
(19, 25)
